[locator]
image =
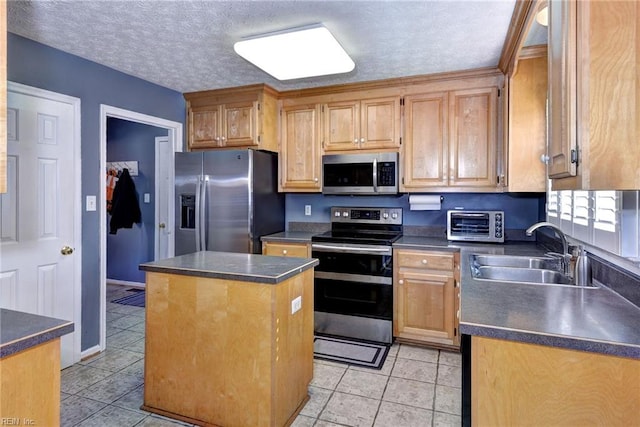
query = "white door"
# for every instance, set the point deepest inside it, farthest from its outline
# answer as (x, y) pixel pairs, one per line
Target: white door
(37, 229)
(164, 198)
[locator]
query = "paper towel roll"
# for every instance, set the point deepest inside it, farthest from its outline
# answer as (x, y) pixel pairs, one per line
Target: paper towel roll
(423, 202)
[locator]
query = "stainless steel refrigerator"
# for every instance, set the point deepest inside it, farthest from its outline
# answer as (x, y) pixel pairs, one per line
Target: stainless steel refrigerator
(226, 200)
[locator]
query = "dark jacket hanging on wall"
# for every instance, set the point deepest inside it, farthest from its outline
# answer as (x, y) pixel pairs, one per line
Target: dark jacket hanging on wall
(125, 209)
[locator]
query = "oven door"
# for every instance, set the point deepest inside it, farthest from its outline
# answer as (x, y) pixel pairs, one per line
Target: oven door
(354, 280)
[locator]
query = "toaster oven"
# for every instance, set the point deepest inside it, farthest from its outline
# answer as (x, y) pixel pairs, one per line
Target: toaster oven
(475, 226)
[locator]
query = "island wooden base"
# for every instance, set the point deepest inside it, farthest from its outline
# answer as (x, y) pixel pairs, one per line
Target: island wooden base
(533, 385)
(30, 386)
(199, 422)
(228, 353)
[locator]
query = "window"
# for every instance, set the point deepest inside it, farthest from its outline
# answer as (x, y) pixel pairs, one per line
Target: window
(608, 220)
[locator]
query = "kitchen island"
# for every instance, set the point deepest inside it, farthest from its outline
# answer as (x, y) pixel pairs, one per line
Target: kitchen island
(229, 338)
(30, 368)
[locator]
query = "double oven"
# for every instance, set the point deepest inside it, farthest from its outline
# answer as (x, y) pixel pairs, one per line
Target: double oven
(354, 280)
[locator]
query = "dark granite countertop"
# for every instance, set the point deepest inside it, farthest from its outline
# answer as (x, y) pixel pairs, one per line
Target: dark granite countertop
(290, 237)
(596, 320)
(20, 331)
(233, 266)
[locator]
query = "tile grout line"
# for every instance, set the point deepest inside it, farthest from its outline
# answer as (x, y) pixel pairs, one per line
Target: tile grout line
(435, 391)
(375, 417)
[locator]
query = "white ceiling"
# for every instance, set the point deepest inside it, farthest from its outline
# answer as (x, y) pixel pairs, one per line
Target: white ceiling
(187, 45)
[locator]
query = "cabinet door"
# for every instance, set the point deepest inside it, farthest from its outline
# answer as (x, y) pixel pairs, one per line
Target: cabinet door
(380, 123)
(240, 125)
(425, 141)
(205, 125)
(527, 126)
(301, 250)
(473, 137)
(300, 159)
(425, 307)
(562, 88)
(341, 126)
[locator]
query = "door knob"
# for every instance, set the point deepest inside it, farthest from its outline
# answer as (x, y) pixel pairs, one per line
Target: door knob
(66, 250)
(162, 225)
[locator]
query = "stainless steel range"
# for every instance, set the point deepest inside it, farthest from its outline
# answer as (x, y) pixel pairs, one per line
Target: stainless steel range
(354, 281)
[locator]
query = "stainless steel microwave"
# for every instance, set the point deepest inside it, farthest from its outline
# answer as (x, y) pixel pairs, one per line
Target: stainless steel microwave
(475, 226)
(360, 173)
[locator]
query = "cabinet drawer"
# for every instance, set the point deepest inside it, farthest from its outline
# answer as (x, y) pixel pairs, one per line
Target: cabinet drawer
(425, 260)
(300, 250)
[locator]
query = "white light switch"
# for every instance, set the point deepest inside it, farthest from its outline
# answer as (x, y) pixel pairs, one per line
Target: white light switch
(307, 210)
(296, 304)
(147, 197)
(91, 203)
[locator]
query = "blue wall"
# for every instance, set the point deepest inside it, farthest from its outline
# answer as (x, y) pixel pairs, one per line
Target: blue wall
(35, 64)
(521, 210)
(128, 248)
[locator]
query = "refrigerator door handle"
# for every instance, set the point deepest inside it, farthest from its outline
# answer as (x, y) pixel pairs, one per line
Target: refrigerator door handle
(203, 218)
(199, 205)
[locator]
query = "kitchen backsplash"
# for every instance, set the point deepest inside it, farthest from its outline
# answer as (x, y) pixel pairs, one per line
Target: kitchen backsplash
(521, 210)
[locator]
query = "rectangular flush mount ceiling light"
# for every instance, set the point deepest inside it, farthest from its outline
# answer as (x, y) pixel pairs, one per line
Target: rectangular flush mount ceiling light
(296, 53)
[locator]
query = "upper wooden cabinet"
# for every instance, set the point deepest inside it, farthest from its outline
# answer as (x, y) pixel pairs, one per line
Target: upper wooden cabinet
(527, 125)
(362, 125)
(300, 149)
(474, 137)
(426, 143)
(233, 118)
(451, 140)
(594, 101)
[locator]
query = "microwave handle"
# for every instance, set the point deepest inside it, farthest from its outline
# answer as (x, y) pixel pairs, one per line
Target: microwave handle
(375, 175)
(476, 215)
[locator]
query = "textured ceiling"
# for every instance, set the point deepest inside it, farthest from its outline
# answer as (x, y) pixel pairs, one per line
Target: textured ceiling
(188, 45)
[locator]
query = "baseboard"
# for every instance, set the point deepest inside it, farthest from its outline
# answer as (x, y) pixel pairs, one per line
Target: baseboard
(125, 283)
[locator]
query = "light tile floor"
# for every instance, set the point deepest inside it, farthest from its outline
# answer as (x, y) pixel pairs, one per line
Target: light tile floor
(415, 387)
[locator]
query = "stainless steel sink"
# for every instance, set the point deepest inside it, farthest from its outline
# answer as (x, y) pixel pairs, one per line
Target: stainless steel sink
(520, 269)
(546, 263)
(517, 274)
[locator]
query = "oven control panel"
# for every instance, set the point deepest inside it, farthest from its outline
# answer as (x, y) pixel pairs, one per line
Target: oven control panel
(391, 216)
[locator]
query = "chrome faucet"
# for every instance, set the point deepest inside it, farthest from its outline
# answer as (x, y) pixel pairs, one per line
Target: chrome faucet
(565, 256)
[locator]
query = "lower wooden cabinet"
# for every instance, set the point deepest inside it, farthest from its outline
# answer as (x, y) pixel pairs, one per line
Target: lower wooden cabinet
(301, 250)
(30, 384)
(514, 383)
(426, 297)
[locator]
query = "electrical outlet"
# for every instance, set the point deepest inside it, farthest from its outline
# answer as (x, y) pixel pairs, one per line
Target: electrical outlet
(307, 210)
(296, 304)
(91, 203)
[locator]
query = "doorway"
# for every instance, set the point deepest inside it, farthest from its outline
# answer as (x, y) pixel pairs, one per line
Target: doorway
(174, 139)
